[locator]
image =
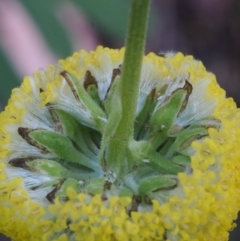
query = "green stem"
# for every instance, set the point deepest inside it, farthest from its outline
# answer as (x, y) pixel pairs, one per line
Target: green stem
(129, 86)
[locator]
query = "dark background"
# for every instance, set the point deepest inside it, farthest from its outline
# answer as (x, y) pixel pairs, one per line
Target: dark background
(36, 33)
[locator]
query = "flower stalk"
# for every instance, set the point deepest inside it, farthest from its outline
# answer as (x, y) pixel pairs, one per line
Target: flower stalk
(129, 84)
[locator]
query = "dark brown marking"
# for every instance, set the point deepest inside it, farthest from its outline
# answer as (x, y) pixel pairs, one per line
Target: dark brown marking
(115, 73)
(106, 187)
(153, 94)
(21, 162)
(89, 80)
(148, 200)
(136, 200)
(57, 124)
(40, 90)
(51, 195)
(188, 87)
(70, 84)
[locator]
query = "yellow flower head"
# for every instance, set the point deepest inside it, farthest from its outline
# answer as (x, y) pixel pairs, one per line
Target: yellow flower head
(181, 178)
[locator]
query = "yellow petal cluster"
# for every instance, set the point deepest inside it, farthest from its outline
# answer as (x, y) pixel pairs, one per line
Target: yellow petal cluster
(202, 208)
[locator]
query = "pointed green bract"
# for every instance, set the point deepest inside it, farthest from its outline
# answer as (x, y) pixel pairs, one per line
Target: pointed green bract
(186, 137)
(68, 183)
(182, 160)
(163, 118)
(88, 103)
(49, 168)
(142, 151)
(141, 127)
(156, 183)
(114, 110)
(62, 147)
(77, 133)
(95, 186)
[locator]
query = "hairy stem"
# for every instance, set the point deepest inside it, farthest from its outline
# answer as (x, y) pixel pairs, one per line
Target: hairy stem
(129, 85)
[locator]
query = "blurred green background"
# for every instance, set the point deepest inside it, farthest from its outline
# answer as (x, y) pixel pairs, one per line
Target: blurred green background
(34, 34)
(106, 22)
